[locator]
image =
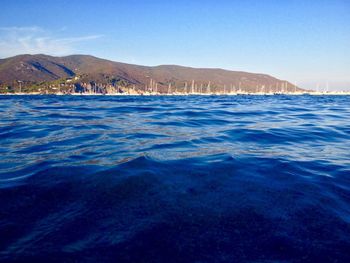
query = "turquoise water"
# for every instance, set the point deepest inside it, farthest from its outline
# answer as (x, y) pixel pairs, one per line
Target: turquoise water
(175, 179)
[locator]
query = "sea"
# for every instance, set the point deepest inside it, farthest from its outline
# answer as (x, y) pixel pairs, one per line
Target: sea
(175, 178)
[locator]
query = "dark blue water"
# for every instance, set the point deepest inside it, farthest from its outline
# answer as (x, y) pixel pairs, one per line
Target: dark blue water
(175, 179)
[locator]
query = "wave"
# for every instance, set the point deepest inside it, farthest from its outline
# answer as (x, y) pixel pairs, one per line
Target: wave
(162, 184)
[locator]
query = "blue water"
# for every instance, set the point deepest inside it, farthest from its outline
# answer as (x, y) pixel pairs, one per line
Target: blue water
(175, 179)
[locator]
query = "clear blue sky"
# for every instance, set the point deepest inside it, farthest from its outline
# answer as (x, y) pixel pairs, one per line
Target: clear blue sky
(307, 41)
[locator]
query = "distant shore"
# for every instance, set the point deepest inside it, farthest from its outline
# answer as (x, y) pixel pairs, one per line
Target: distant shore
(183, 94)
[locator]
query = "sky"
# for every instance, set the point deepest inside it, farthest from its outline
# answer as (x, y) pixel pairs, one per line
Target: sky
(306, 42)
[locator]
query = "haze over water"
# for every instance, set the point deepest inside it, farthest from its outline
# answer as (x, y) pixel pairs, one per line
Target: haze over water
(175, 179)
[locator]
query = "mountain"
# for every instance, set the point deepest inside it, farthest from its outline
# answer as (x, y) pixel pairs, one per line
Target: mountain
(33, 69)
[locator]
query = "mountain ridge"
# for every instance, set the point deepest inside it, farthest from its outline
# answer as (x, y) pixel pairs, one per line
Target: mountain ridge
(41, 68)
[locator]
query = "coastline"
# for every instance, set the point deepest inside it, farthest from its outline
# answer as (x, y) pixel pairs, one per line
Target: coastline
(183, 94)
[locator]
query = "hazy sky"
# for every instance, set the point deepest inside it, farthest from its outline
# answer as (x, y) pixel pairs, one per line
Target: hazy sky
(306, 42)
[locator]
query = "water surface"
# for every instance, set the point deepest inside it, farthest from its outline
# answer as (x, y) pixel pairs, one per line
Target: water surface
(175, 179)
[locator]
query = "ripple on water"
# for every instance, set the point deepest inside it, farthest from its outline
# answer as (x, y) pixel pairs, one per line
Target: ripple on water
(175, 179)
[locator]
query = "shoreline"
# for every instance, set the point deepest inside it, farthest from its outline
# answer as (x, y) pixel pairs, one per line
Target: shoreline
(184, 94)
